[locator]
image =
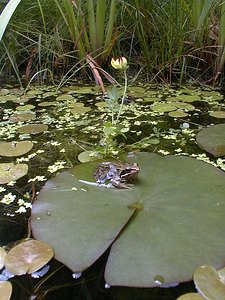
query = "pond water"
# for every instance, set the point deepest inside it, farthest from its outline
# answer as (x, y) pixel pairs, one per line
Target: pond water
(61, 126)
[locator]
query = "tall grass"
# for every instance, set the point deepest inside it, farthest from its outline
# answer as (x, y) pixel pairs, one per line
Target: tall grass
(90, 24)
(165, 40)
(7, 14)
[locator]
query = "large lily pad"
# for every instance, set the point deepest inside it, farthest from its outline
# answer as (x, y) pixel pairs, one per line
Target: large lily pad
(10, 149)
(212, 139)
(174, 217)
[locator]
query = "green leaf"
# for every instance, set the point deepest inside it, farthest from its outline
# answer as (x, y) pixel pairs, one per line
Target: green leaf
(10, 172)
(7, 14)
(10, 149)
(33, 128)
(208, 282)
(212, 139)
(2, 257)
(191, 296)
(28, 257)
(5, 290)
(170, 218)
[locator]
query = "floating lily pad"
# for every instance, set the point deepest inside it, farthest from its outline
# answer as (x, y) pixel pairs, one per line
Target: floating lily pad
(10, 172)
(177, 114)
(101, 104)
(33, 128)
(188, 98)
(212, 139)
(46, 103)
(218, 114)
(2, 258)
(163, 107)
(49, 94)
(10, 98)
(5, 290)
(87, 156)
(170, 218)
(28, 257)
(79, 108)
(209, 283)
(25, 107)
(84, 90)
(34, 92)
(4, 92)
(64, 97)
(191, 296)
(151, 99)
(22, 117)
(15, 148)
(183, 105)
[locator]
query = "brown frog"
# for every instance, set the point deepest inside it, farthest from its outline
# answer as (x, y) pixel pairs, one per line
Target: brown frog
(116, 173)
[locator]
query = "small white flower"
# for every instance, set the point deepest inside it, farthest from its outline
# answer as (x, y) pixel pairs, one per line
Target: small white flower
(20, 202)
(8, 198)
(37, 178)
(58, 165)
(55, 143)
(164, 152)
(2, 189)
(21, 210)
(11, 183)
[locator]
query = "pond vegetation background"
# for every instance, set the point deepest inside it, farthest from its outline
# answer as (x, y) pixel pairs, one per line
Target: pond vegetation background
(54, 117)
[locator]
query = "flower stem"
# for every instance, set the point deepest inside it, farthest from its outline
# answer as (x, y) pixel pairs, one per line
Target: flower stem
(123, 96)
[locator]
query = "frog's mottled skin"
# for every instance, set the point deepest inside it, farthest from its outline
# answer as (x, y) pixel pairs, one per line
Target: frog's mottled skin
(117, 173)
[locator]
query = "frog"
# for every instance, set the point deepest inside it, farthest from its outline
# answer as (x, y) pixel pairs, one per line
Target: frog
(118, 174)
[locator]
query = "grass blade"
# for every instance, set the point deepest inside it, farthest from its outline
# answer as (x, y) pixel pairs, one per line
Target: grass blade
(7, 14)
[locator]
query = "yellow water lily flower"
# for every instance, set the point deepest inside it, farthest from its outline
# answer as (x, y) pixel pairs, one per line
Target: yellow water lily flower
(119, 63)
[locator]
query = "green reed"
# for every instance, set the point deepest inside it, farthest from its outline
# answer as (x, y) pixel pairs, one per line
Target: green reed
(90, 24)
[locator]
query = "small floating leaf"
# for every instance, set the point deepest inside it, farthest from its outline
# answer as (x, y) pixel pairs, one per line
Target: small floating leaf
(177, 114)
(87, 156)
(101, 104)
(46, 103)
(84, 90)
(2, 258)
(183, 105)
(64, 97)
(5, 290)
(25, 107)
(163, 107)
(28, 257)
(151, 99)
(15, 148)
(191, 296)
(218, 114)
(34, 92)
(188, 98)
(10, 172)
(79, 108)
(33, 128)
(212, 139)
(22, 117)
(207, 281)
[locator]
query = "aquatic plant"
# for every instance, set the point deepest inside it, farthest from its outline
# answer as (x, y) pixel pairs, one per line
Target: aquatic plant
(159, 231)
